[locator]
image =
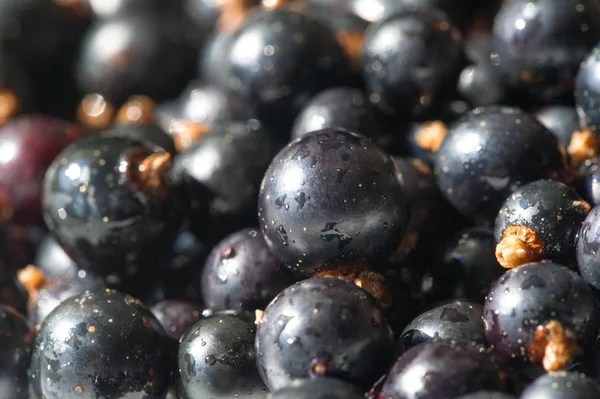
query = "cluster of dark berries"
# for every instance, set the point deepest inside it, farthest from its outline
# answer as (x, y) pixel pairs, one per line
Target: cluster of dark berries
(300, 199)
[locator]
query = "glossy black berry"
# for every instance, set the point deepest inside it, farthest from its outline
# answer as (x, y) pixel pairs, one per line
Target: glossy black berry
(542, 219)
(430, 213)
(323, 327)
(530, 299)
(217, 359)
(101, 344)
(588, 248)
(319, 388)
(409, 61)
(481, 85)
(466, 268)
(537, 46)
(221, 174)
(16, 342)
(590, 183)
(242, 274)
(342, 107)
(456, 320)
(587, 90)
(109, 202)
(490, 152)
(52, 260)
(317, 194)
(561, 120)
(134, 53)
(559, 385)
(279, 59)
(202, 103)
(442, 370)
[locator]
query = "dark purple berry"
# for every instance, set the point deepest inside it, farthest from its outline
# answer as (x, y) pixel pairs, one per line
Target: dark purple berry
(317, 194)
(323, 327)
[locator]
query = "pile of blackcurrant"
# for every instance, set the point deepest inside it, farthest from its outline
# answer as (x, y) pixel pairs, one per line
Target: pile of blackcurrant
(300, 199)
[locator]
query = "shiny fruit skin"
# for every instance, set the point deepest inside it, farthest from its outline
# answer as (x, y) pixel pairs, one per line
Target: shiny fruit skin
(317, 194)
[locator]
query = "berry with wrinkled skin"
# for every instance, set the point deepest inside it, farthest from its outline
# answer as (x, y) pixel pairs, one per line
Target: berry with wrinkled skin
(319, 388)
(242, 274)
(101, 344)
(490, 152)
(217, 360)
(552, 211)
(561, 385)
(443, 370)
(317, 194)
(323, 327)
(455, 320)
(532, 295)
(402, 74)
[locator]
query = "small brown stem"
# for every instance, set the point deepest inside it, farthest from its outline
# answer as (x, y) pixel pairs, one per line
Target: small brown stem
(33, 279)
(6, 209)
(9, 105)
(430, 135)
(150, 174)
(137, 110)
(233, 15)
(95, 112)
(319, 368)
(352, 43)
(185, 133)
(583, 145)
(554, 346)
(258, 316)
(519, 245)
(407, 245)
(370, 281)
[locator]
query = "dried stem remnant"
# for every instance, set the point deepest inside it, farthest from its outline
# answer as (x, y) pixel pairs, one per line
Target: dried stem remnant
(9, 105)
(137, 110)
(352, 43)
(33, 279)
(554, 346)
(519, 245)
(95, 112)
(150, 174)
(583, 145)
(185, 133)
(430, 135)
(368, 280)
